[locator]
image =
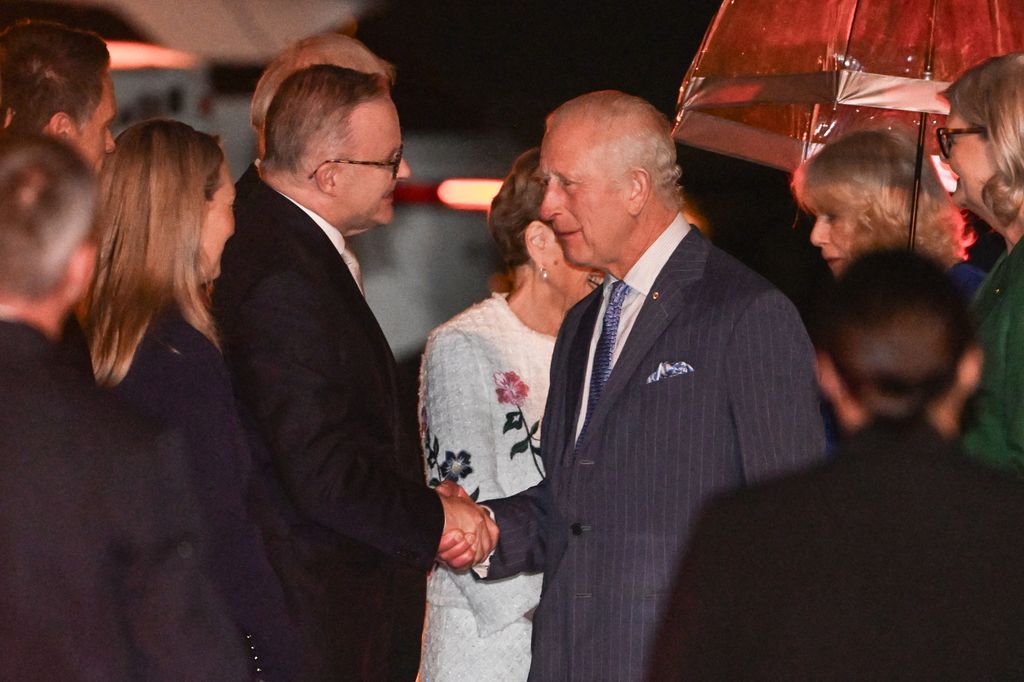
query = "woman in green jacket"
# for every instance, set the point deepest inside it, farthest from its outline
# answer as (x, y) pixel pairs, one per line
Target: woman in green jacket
(983, 142)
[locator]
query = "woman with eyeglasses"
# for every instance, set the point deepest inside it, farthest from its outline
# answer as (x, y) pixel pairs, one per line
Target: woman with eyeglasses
(860, 189)
(983, 142)
(165, 213)
(483, 386)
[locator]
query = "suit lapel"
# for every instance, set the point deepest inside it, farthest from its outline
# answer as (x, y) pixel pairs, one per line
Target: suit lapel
(321, 255)
(576, 369)
(684, 267)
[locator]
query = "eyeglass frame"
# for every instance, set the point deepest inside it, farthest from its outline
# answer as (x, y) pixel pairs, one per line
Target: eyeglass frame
(943, 135)
(394, 164)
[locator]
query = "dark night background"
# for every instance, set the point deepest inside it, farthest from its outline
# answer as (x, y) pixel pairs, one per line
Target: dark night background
(489, 66)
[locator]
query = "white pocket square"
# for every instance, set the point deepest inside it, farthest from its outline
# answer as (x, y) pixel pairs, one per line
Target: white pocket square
(669, 369)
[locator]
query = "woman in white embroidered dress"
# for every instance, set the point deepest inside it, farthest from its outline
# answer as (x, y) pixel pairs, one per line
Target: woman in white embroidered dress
(483, 386)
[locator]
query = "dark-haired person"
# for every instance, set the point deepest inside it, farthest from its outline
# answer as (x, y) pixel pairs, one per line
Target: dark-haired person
(99, 530)
(55, 80)
(983, 142)
(316, 375)
(489, 362)
(900, 558)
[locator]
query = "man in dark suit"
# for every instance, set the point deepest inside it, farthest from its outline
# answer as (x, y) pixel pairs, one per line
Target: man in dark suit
(900, 558)
(318, 380)
(99, 532)
(685, 374)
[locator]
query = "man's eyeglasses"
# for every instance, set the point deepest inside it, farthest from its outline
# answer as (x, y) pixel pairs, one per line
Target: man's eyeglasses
(946, 135)
(393, 164)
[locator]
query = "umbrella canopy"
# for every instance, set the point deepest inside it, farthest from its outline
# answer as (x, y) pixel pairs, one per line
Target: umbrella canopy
(773, 81)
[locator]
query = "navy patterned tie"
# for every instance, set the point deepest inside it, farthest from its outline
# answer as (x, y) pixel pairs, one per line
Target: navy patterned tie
(602, 366)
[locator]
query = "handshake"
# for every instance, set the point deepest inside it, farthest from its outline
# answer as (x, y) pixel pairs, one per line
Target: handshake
(470, 533)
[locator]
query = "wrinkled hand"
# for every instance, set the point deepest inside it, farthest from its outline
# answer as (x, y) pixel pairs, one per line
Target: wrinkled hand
(469, 532)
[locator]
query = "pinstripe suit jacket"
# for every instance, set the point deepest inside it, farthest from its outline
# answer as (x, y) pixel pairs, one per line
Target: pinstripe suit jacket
(611, 520)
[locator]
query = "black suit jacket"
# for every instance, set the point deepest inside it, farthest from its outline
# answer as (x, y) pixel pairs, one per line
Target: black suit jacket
(609, 523)
(899, 559)
(99, 535)
(318, 380)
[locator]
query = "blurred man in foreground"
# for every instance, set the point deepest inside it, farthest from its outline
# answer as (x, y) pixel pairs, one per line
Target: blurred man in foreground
(900, 558)
(98, 527)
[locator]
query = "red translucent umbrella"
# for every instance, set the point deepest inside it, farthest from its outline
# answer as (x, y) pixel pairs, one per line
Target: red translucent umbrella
(773, 80)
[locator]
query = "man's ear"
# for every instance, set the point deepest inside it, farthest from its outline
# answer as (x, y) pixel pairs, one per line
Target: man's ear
(78, 275)
(968, 371)
(539, 238)
(849, 410)
(62, 126)
(640, 188)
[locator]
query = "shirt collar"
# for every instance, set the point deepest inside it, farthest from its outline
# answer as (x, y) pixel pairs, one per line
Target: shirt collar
(331, 231)
(641, 276)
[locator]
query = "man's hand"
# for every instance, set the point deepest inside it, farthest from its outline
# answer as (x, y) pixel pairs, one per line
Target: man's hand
(469, 532)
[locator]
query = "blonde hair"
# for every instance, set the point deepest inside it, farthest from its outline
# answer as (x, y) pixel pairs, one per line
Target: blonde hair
(634, 130)
(867, 176)
(327, 48)
(153, 194)
(991, 94)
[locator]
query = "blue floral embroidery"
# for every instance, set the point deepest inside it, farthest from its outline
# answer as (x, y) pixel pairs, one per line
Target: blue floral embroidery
(455, 466)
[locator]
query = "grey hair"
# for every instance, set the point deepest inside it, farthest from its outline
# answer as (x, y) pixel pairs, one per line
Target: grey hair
(634, 130)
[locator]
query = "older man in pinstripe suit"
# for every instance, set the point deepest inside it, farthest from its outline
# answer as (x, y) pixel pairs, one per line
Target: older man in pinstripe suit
(684, 375)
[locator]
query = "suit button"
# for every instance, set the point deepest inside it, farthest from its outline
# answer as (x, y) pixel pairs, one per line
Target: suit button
(579, 528)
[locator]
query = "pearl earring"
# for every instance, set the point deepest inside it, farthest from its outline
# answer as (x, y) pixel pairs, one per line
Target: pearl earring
(544, 274)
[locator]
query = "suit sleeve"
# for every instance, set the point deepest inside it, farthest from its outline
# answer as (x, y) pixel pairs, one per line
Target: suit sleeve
(298, 385)
(457, 392)
(773, 394)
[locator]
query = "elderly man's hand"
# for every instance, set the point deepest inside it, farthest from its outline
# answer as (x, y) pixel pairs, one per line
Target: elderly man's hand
(469, 532)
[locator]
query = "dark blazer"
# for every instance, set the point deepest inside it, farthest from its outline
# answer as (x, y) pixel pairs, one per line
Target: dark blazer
(609, 523)
(179, 378)
(899, 559)
(99, 535)
(359, 528)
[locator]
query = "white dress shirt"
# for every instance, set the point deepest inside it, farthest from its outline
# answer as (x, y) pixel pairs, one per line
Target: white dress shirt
(640, 279)
(338, 239)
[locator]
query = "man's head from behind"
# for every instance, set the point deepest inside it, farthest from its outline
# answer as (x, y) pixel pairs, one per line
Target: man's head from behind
(46, 226)
(896, 344)
(326, 48)
(609, 164)
(334, 145)
(56, 80)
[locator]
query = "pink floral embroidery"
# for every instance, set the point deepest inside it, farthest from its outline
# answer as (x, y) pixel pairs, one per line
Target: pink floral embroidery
(510, 388)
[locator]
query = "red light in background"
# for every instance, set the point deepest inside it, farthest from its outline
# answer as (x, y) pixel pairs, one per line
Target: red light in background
(130, 55)
(469, 194)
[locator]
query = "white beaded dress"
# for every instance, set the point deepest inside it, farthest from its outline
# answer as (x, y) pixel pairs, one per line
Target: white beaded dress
(483, 385)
